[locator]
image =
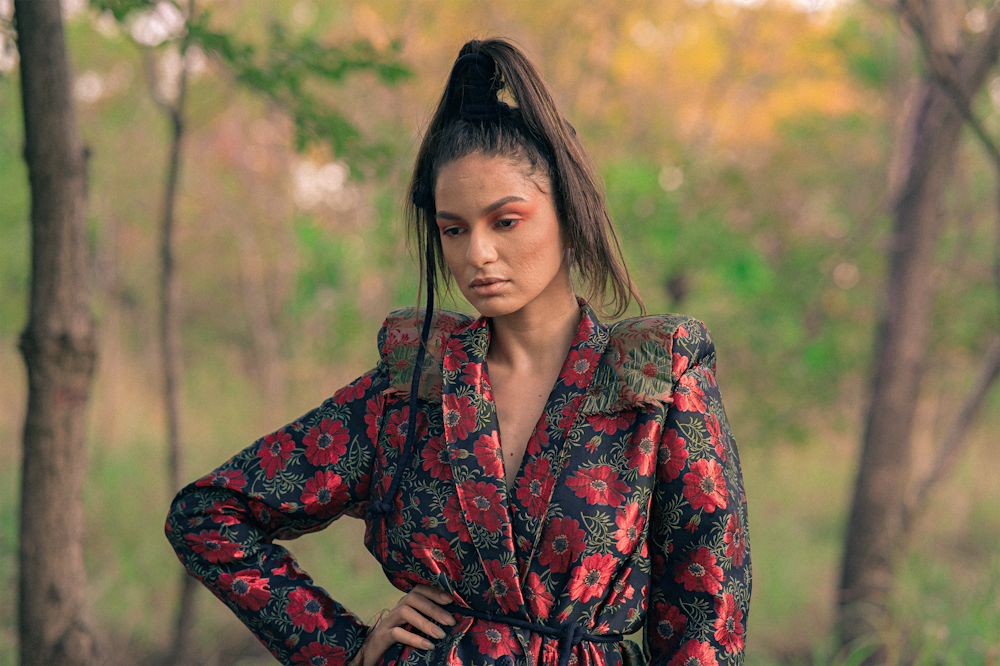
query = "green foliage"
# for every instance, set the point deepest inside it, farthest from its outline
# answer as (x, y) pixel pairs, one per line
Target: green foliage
(15, 249)
(290, 70)
(869, 50)
(285, 70)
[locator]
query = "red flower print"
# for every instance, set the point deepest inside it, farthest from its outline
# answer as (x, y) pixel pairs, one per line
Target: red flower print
(620, 589)
(535, 487)
(476, 377)
(584, 330)
(214, 547)
(454, 356)
(577, 367)
(489, 455)
(373, 412)
(680, 364)
(735, 540)
(503, 585)
(325, 444)
(226, 512)
(325, 495)
(669, 628)
(598, 485)
(715, 433)
(353, 391)
(275, 451)
(459, 416)
(246, 588)
(484, 504)
(264, 514)
(437, 555)
(436, 458)
(539, 599)
(289, 568)
(494, 639)
(641, 450)
(310, 609)
(698, 572)
(227, 478)
(630, 523)
(316, 654)
(407, 580)
(455, 519)
(591, 577)
(562, 541)
(611, 424)
(704, 486)
(687, 395)
(539, 440)
(728, 628)
(567, 415)
(395, 427)
(695, 653)
(671, 456)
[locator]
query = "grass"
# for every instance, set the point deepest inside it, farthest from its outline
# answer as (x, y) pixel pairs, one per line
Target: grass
(946, 604)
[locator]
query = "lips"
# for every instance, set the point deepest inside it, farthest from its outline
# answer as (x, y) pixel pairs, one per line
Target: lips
(486, 286)
(478, 282)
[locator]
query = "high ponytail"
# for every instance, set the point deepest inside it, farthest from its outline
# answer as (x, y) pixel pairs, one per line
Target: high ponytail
(471, 118)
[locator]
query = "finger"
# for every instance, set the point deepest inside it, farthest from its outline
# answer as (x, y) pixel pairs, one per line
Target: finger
(433, 593)
(421, 622)
(428, 608)
(400, 635)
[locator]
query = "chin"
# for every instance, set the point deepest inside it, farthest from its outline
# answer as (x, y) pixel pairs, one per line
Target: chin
(492, 307)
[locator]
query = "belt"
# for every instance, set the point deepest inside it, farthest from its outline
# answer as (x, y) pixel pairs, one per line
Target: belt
(570, 634)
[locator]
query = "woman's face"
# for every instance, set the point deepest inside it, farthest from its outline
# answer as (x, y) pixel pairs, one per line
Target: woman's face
(501, 236)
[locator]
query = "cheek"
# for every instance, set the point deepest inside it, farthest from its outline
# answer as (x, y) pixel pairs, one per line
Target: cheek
(540, 255)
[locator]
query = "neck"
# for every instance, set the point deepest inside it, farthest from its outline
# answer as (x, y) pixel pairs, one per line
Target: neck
(532, 340)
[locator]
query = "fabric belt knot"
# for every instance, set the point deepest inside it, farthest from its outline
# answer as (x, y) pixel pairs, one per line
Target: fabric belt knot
(573, 633)
(570, 634)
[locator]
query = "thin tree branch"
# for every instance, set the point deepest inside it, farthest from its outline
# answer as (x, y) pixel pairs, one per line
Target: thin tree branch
(944, 73)
(948, 452)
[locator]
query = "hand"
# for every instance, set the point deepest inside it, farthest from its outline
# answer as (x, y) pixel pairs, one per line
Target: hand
(420, 610)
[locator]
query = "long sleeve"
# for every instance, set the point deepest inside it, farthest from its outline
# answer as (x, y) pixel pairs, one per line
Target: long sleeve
(293, 481)
(700, 583)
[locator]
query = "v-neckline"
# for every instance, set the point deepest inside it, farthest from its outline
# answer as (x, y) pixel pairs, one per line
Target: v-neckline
(504, 526)
(509, 489)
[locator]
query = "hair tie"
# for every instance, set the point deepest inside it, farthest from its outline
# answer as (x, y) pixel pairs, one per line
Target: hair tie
(479, 101)
(422, 196)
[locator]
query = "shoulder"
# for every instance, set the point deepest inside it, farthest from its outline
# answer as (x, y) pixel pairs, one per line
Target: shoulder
(644, 359)
(399, 338)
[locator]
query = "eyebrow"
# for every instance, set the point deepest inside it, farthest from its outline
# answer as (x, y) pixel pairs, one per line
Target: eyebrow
(486, 211)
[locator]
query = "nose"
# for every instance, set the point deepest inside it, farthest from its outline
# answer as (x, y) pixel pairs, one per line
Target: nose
(481, 250)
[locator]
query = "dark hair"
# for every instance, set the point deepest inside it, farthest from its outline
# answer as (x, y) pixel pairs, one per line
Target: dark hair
(471, 119)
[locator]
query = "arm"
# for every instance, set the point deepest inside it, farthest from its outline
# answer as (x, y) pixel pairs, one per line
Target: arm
(296, 480)
(700, 585)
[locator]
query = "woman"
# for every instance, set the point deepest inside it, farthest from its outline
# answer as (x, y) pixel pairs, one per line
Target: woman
(611, 502)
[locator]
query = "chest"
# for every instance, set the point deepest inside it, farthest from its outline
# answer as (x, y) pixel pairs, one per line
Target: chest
(519, 403)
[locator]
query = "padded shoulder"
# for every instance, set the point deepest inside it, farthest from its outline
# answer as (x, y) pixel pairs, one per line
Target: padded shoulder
(399, 339)
(641, 363)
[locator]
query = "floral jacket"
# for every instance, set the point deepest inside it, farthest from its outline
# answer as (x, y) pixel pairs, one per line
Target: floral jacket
(628, 511)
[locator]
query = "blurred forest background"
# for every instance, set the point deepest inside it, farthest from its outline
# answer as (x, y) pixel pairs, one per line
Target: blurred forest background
(748, 153)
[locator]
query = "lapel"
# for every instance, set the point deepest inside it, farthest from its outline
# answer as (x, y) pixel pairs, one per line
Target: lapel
(554, 439)
(472, 437)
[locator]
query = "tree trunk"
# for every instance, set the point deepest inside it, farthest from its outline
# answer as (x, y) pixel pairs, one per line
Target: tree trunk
(876, 521)
(900, 351)
(59, 351)
(171, 355)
